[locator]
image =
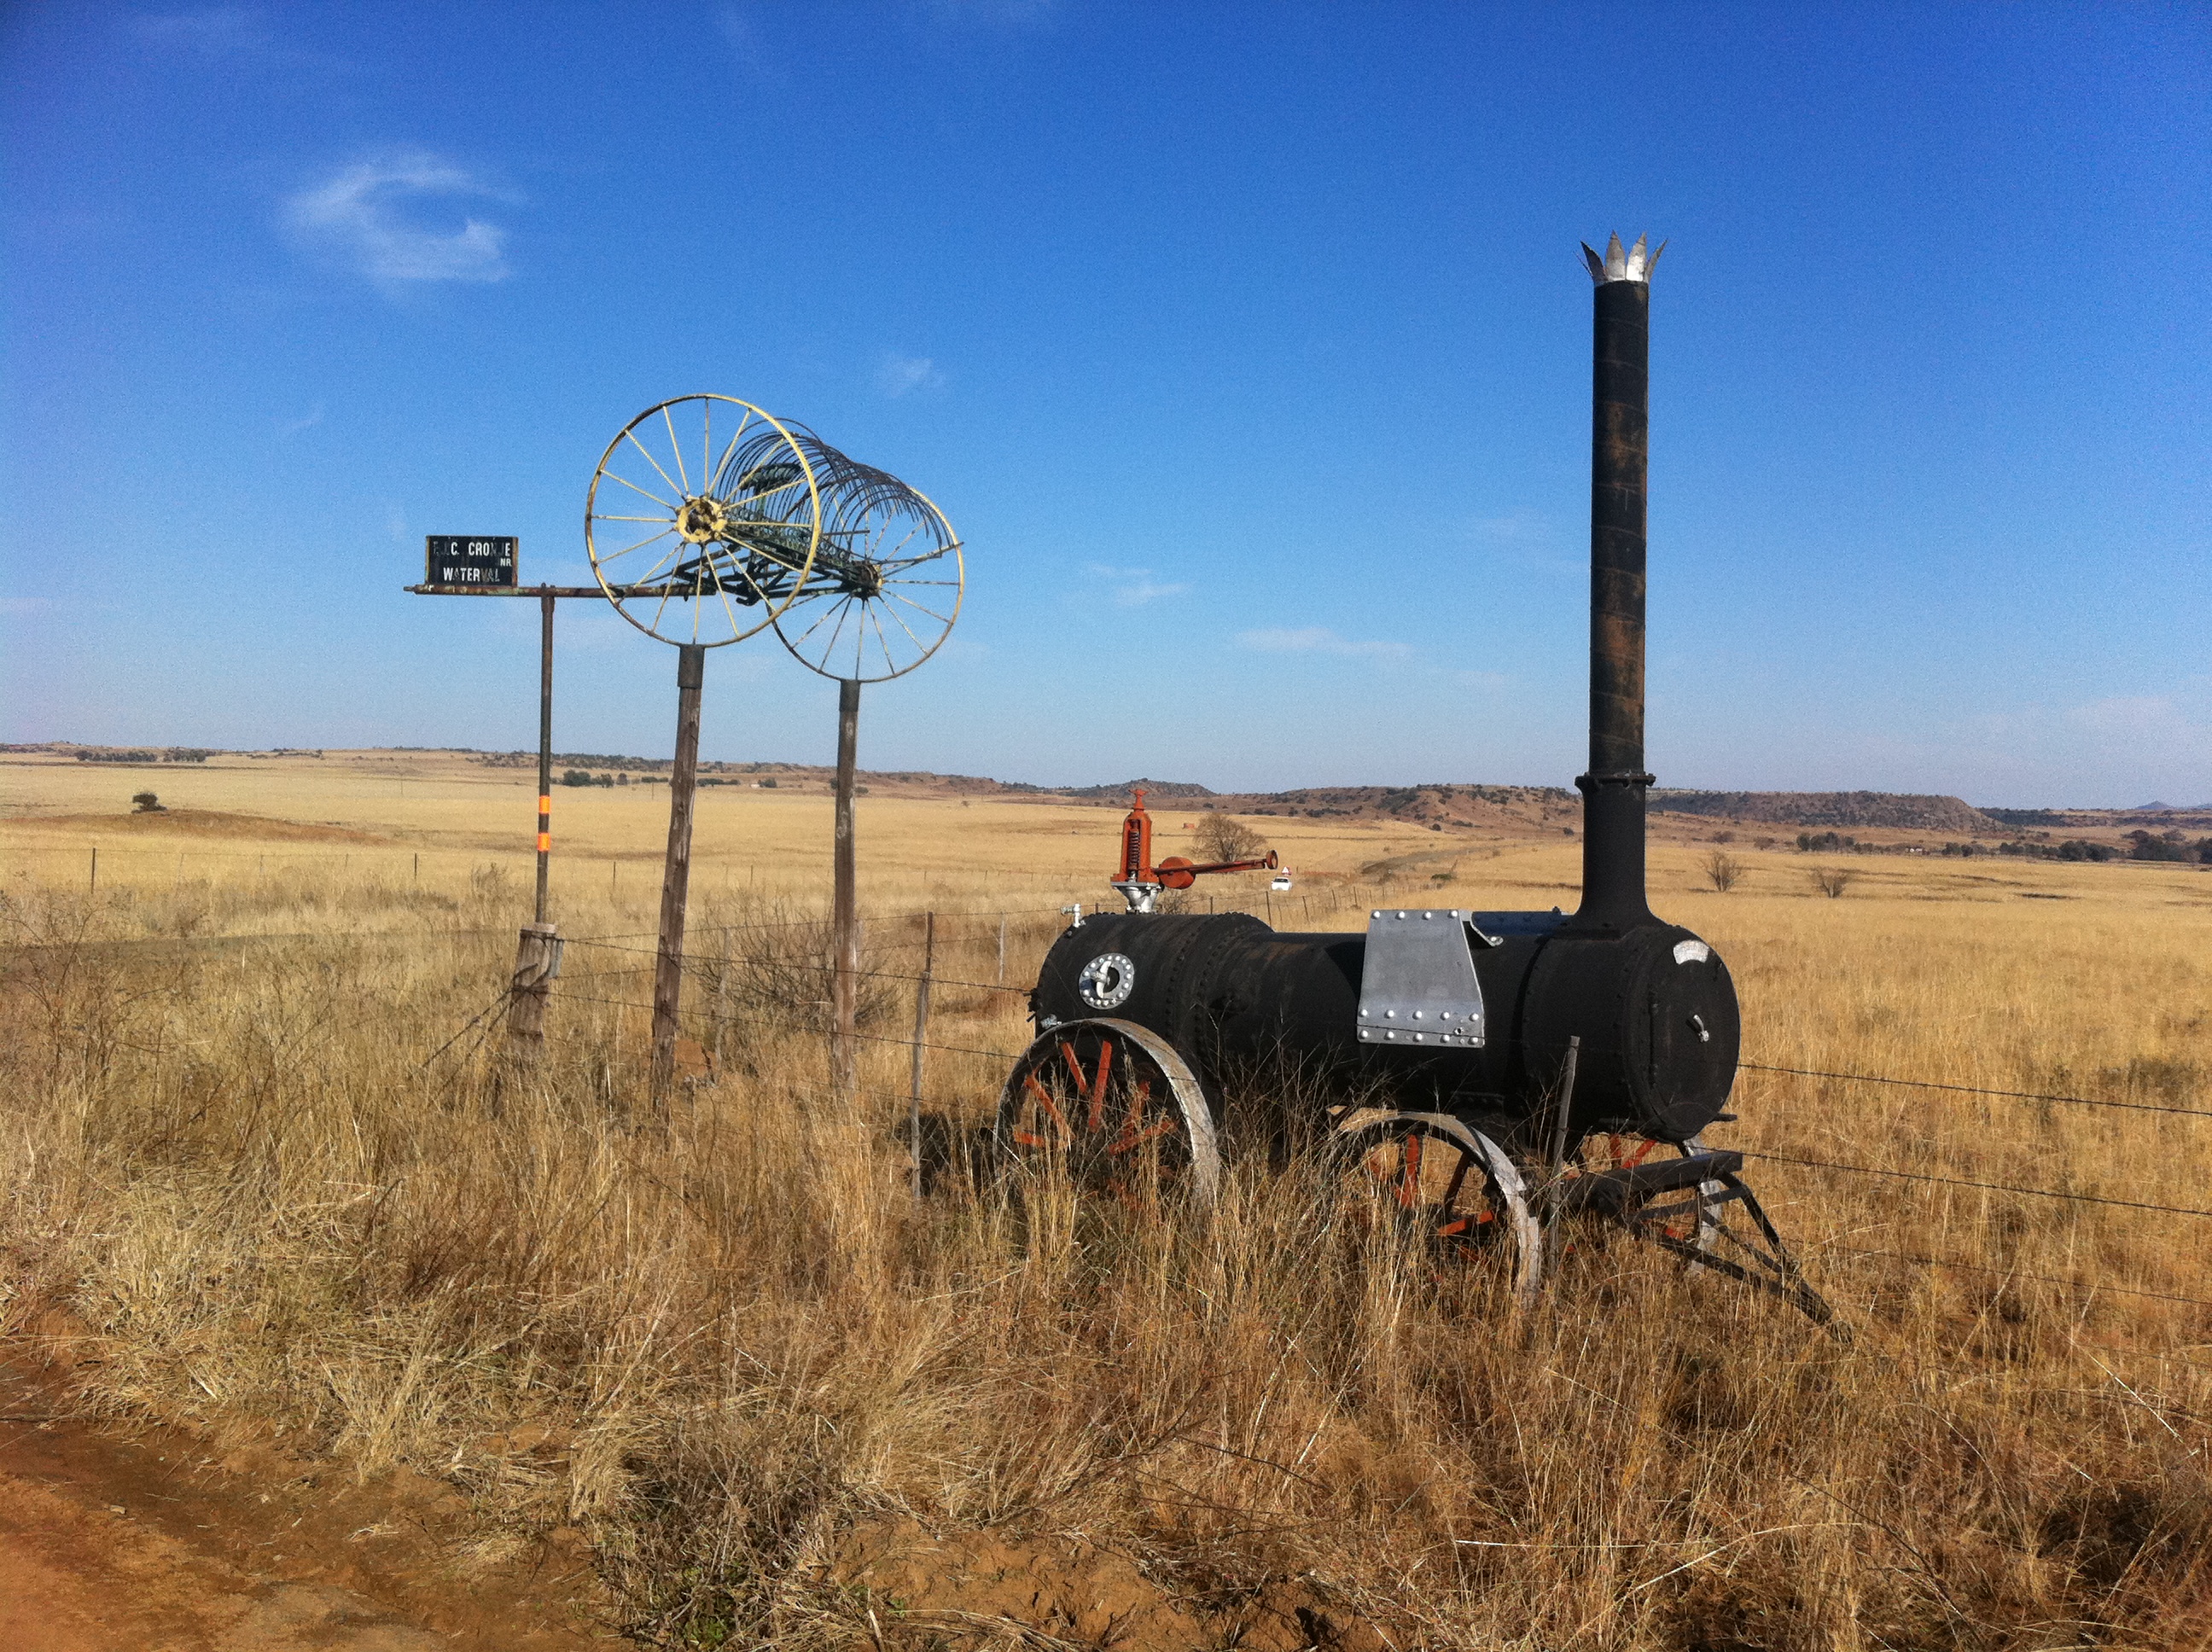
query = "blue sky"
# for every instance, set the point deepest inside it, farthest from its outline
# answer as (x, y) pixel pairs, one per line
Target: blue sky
(1246, 346)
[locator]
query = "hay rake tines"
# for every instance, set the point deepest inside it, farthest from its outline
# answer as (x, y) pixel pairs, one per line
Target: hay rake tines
(887, 583)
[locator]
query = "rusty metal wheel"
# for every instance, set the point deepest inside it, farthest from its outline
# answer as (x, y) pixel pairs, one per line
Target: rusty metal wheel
(1116, 1108)
(1460, 1189)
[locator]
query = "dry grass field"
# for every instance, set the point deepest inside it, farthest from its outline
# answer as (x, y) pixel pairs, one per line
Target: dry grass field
(259, 1164)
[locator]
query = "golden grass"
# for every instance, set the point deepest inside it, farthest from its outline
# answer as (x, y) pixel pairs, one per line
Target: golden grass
(726, 1341)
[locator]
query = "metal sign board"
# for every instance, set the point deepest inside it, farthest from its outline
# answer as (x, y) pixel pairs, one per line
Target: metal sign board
(471, 559)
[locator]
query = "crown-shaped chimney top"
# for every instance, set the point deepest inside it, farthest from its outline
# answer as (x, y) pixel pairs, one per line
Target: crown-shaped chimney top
(1634, 264)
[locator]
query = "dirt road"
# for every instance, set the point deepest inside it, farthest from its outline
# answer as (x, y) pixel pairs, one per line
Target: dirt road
(144, 1539)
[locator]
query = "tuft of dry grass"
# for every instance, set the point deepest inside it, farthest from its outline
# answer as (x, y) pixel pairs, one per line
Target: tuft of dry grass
(727, 1342)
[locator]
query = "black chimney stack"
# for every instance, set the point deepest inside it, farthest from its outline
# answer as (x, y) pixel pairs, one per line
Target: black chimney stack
(1612, 791)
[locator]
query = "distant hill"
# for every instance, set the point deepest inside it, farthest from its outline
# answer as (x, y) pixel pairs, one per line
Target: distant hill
(1898, 809)
(1120, 793)
(1441, 805)
(1438, 804)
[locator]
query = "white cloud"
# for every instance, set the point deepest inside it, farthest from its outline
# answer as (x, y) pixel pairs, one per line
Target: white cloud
(999, 14)
(364, 216)
(902, 376)
(1488, 682)
(2133, 717)
(738, 29)
(1521, 527)
(213, 32)
(307, 420)
(1135, 586)
(1319, 640)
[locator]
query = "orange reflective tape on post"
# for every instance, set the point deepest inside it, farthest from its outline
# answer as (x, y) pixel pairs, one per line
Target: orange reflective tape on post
(544, 843)
(544, 804)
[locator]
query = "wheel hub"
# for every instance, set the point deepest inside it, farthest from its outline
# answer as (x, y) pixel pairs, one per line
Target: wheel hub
(703, 520)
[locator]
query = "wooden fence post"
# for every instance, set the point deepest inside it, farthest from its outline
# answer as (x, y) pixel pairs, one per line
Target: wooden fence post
(537, 964)
(920, 1038)
(844, 923)
(675, 878)
(1561, 1110)
(722, 1003)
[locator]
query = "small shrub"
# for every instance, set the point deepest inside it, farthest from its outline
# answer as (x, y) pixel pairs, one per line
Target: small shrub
(1723, 870)
(147, 804)
(1833, 881)
(1225, 837)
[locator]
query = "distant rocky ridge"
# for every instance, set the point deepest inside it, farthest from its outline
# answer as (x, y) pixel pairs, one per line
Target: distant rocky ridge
(1912, 811)
(1439, 804)
(1177, 789)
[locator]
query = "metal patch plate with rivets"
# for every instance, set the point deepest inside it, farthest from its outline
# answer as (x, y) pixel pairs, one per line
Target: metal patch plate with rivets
(1418, 986)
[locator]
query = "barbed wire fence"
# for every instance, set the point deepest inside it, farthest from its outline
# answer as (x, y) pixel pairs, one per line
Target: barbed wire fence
(696, 963)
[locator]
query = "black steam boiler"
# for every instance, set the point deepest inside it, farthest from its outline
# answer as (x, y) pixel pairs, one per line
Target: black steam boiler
(1486, 1072)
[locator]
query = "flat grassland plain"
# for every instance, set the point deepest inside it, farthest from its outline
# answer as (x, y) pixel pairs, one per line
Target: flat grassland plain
(260, 1168)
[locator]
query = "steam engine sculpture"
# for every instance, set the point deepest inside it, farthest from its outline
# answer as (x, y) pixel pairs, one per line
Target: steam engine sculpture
(1484, 1072)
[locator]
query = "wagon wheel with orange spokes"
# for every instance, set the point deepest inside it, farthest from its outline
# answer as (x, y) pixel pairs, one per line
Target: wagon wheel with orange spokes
(1116, 1108)
(1458, 1188)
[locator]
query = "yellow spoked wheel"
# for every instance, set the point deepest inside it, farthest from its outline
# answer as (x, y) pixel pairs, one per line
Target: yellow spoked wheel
(703, 520)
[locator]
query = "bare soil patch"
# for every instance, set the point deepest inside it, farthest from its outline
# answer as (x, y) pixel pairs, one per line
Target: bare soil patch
(201, 823)
(133, 1535)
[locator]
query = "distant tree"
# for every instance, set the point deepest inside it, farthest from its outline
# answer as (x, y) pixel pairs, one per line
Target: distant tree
(147, 804)
(1225, 837)
(1723, 870)
(1833, 881)
(771, 784)
(575, 777)
(2164, 846)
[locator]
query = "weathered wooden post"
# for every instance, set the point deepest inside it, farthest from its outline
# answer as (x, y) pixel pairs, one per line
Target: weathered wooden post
(921, 1041)
(537, 965)
(545, 601)
(892, 572)
(675, 875)
(844, 917)
(538, 955)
